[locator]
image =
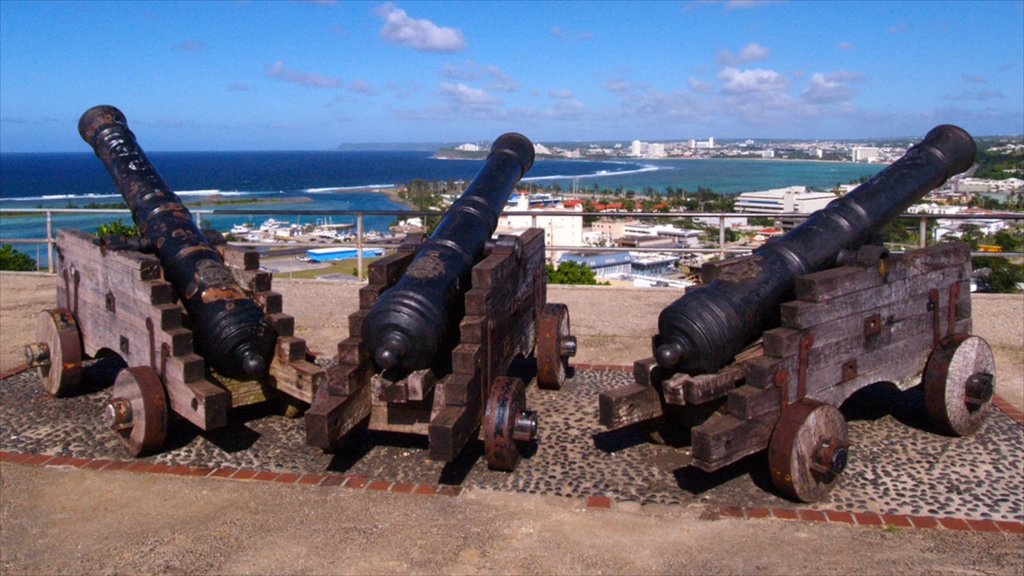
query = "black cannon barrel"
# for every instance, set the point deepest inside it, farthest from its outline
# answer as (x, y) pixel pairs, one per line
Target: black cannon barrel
(701, 331)
(230, 330)
(418, 317)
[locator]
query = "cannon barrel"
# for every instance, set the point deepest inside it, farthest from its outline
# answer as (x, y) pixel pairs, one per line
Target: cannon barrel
(701, 331)
(418, 317)
(230, 331)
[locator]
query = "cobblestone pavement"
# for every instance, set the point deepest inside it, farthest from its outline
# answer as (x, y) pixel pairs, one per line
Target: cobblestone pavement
(898, 466)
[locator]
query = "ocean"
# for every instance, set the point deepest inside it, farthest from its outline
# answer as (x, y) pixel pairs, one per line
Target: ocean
(338, 180)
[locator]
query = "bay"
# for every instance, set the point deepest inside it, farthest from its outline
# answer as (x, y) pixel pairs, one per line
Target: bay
(344, 180)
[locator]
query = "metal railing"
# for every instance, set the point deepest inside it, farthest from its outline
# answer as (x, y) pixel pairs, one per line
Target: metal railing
(360, 240)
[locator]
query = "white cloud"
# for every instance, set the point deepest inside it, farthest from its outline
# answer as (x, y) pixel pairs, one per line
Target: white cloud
(581, 35)
(459, 95)
(498, 81)
(749, 53)
(975, 95)
(974, 79)
(419, 34)
(190, 45)
(560, 94)
(830, 88)
(616, 85)
(751, 80)
(698, 85)
(362, 87)
(278, 70)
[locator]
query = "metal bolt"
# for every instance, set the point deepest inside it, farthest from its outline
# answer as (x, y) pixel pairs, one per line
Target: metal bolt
(37, 354)
(831, 456)
(525, 428)
(117, 414)
(567, 347)
(978, 389)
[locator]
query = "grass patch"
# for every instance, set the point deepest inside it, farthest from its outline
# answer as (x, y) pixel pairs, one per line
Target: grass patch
(346, 266)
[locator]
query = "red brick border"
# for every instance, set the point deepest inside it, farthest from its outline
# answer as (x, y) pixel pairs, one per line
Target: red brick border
(12, 371)
(358, 482)
(873, 519)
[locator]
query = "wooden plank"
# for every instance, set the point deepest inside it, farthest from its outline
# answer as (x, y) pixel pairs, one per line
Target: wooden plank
(839, 281)
(748, 402)
(298, 378)
(283, 324)
(355, 323)
(270, 301)
(239, 258)
(462, 389)
(406, 417)
(345, 379)
(646, 372)
(629, 404)
(200, 402)
(724, 439)
(449, 431)
(290, 348)
(83, 248)
(799, 314)
(707, 387)
(387, 270)
(929, 259)
(330, 418)
(900, 364)
(783, 341)
(253, 280)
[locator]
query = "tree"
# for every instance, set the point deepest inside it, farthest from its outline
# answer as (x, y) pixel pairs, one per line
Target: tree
(1002, 276)
(11, 259)
(571, 272)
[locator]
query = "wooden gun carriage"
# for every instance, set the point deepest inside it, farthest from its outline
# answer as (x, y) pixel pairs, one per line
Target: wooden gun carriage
(115, 301)
(901, 318)
(506, 317)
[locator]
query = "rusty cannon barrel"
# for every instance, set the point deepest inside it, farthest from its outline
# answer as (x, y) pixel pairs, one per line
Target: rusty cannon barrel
(418, 317)
(701, 331)
(230, 331)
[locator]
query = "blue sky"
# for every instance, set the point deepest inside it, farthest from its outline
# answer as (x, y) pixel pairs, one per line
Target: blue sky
(257, 75)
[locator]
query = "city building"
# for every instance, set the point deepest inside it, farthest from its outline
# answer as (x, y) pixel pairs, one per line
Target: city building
(781, 200)
(864, 154)
(603, 264)
(558, 230)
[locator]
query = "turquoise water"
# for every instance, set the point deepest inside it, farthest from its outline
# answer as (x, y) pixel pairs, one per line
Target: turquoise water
(332, 181)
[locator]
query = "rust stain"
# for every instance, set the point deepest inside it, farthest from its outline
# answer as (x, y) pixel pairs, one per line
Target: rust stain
(747, 269)
(217, 294)
(427, 266)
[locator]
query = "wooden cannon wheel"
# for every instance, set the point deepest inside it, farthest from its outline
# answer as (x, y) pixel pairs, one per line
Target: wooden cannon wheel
(554, 346)
(506, 422)
(959, 382)
(808, 450)
(57, 351)
(137, 410)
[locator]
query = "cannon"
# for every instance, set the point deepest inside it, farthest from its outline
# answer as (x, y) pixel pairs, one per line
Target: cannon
(766, 350)
(443, 325)
(194, 319)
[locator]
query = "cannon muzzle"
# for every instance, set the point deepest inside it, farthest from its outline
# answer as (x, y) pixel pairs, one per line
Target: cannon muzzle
(415, 321)
(230, 330)
(701, 331)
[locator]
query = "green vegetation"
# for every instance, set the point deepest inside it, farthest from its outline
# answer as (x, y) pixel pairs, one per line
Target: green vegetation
(1000, 165)
(346, 266)
(569, 272)
(116, 228)
(11, 259)
(1001, 276)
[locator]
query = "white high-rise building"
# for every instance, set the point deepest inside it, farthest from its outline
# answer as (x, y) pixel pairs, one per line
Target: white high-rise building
(636, 148)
